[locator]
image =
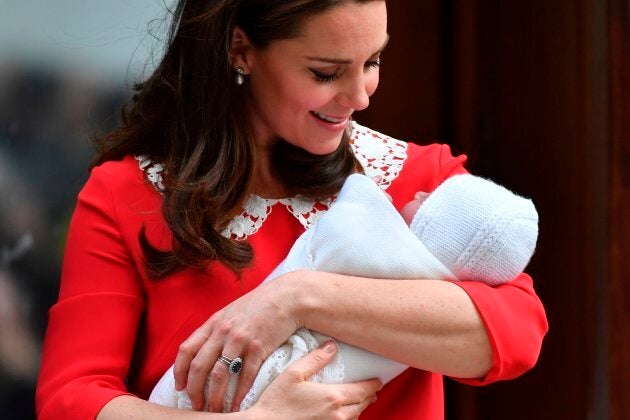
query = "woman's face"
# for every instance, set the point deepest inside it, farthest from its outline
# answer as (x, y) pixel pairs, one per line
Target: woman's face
(305, 89)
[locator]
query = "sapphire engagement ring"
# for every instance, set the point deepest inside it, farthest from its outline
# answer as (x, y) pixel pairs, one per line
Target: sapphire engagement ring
(234, 365)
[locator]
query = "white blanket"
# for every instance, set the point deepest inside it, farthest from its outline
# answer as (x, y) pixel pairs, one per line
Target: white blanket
(362, 235)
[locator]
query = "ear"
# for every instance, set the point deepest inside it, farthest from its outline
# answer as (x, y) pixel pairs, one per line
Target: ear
(241, 50)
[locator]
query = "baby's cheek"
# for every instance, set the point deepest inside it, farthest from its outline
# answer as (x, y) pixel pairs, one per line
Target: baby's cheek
(410, 209)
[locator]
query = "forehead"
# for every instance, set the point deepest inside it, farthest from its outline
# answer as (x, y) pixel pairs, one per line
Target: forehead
(346, 28)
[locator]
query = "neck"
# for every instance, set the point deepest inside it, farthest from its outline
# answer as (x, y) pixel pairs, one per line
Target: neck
(265, 183)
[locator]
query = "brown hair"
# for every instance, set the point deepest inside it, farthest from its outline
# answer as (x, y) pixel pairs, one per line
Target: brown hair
(189, 116)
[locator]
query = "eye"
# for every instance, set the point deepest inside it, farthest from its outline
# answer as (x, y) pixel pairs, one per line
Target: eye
(373, 64)
(324, 77)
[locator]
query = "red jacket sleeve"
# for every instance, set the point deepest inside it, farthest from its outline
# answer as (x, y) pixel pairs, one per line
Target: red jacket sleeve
(516, 323)
(91, 332)
(425, 169)
(513, 314)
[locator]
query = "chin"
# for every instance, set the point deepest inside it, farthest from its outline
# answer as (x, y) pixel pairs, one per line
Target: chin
(321, 152)
(324, 147)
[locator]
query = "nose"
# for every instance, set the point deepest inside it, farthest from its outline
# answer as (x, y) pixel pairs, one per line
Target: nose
(355, 93)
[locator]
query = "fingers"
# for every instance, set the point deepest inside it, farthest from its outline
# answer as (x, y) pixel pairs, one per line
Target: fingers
(353, 411)
(220, 375)
(241, 329)
(291, 394)
(204, 367)
(197, 364)
(349, 400)
(313, 362)
(251, 366)
(186, 353)
(358, 392)
(252, 356)
(217, 386)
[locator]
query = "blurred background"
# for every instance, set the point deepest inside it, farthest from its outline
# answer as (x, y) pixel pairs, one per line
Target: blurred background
(66, 66)
(535, 92)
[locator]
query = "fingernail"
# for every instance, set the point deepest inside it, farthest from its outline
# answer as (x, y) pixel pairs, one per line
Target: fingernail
(330, 347)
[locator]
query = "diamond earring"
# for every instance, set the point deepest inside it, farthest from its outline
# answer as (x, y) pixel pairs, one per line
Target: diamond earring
(239, 78)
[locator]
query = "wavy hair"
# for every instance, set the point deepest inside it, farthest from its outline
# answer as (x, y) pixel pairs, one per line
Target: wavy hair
(189, 115)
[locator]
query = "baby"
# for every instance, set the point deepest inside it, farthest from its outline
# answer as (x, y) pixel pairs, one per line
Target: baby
(467, 229)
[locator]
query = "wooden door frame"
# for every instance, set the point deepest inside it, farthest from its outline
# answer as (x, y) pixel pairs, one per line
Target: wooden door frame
(619, 290)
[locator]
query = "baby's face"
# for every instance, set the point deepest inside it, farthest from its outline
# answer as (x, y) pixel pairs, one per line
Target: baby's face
(410, 209)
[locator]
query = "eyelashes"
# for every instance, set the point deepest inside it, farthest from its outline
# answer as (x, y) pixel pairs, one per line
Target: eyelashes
(324, 77)
(331, 77)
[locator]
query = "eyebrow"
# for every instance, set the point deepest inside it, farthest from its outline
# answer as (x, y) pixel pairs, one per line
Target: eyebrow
(345, 61)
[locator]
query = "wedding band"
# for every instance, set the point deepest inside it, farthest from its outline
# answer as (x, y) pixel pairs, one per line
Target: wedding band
(234, 365)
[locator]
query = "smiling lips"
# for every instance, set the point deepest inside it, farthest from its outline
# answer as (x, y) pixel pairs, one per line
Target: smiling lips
(330, 119)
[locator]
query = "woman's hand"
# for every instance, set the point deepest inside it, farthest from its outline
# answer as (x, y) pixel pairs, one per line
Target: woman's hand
(289, 396)
(251, 328)
(292, 396)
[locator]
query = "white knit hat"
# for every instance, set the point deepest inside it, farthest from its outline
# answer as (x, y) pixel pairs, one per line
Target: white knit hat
(478, 229)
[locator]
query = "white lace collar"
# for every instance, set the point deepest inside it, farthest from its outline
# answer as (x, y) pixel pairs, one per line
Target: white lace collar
(381, 156)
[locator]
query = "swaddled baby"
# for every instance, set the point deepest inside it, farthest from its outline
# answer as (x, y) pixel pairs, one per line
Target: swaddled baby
(467, 229)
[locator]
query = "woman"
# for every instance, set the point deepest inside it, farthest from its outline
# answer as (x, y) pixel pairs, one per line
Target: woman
(241, 137)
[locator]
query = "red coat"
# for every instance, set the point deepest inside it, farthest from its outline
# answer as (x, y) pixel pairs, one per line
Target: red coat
(114, 332)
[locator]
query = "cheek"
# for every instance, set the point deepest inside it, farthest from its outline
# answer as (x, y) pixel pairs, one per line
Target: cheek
(372, 84)
(409, 210)
(312, 98)
(299, 95)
